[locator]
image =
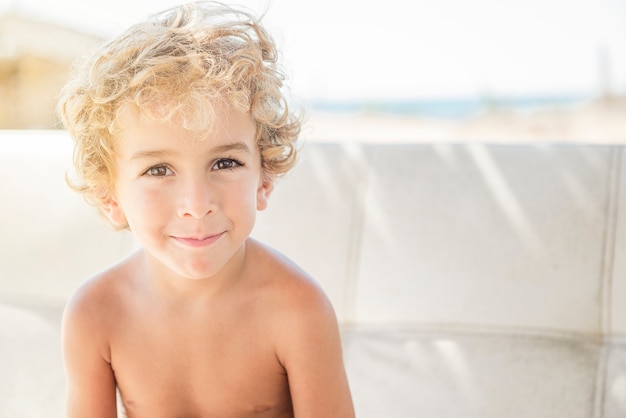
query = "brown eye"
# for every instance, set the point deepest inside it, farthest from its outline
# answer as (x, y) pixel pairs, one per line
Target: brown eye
(158, 171)
(226, 163)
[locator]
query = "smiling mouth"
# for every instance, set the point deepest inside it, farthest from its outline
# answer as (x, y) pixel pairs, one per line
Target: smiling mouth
(198, 242)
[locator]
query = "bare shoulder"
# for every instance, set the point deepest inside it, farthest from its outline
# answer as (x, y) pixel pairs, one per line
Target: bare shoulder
(289, 286)
(88, 321)
(96, 299)
(306, 337)
(296, 307)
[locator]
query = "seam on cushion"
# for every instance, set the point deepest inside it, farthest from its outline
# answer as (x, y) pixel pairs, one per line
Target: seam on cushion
(475, 330)
(606, 277)
(599, 398)
(612, 210)
(356, 156)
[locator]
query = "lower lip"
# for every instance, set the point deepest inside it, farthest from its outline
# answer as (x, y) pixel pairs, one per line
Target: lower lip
(198, 243)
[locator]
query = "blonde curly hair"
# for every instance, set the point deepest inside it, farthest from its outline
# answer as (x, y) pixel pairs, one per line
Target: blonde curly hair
(178, 64)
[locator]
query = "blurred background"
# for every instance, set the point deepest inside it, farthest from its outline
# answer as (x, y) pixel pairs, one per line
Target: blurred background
(432, 71)
(403, 69)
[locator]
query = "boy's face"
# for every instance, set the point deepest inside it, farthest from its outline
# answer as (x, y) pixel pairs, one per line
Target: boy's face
(190, 201)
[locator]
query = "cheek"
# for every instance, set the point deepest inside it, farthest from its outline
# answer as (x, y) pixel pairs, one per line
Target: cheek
(242, 197)
(149, 197)
(145, 203)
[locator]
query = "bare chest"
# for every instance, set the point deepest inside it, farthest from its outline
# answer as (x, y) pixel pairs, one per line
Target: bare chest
(188, 367)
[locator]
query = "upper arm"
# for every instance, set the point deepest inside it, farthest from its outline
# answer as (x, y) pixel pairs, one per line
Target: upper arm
(310, 350)
(90, 379)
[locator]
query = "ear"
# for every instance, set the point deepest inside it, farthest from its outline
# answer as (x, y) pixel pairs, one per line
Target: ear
(264, 191)
(113, 211)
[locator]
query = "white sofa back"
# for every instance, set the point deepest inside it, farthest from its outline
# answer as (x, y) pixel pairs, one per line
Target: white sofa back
(470, 280)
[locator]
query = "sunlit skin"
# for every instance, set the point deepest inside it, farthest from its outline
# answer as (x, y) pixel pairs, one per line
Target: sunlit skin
(203, 321)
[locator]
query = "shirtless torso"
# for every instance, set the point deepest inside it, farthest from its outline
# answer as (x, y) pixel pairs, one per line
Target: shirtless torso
(246, 350)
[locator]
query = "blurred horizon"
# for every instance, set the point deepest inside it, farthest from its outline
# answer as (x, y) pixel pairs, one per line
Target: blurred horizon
(447, 59)
(401, 50)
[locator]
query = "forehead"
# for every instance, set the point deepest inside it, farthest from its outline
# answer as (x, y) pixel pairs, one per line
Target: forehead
(147, 129)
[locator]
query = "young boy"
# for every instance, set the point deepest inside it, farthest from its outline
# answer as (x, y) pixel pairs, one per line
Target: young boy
(180, 130)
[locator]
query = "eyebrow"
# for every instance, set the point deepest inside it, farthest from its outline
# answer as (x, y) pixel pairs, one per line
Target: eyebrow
(235, 146)
(239, 147)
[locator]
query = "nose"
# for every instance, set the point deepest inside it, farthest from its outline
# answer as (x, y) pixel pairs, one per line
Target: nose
(196, 198)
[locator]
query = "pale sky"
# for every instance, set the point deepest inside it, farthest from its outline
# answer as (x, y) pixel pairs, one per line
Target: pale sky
(413, 49)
